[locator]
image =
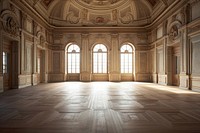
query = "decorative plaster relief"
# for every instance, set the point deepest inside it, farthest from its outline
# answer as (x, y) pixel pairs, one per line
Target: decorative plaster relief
(173, 33)
(10, 22)
(72, 19)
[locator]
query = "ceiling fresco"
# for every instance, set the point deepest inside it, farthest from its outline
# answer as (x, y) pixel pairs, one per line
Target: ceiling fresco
(99, 12)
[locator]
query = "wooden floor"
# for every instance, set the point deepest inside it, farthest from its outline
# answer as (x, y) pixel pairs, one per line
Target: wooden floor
(100, 107)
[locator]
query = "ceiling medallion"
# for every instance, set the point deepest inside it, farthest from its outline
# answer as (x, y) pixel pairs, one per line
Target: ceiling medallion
(100, 4)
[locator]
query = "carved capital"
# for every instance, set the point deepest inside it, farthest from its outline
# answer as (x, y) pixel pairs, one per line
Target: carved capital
(35, 25)
(85, 35)
(114, 35)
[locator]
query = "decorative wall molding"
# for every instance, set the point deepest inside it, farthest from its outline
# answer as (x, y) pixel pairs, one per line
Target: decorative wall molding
(85, 76)
(115, 76)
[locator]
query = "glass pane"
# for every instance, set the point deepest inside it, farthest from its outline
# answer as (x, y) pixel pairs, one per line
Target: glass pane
(100, 46)
(104, 67)
(38, 65)
(104, 57)
(73, 70)
(130, 58)
(100, 61)
(127, 48)
(95, 63)
(74, 48)
(69, 71)
(5, 56)
(73, 63)
(77, 70)
(4, 60)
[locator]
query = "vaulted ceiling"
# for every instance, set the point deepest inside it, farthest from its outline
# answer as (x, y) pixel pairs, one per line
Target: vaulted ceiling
(99, 12)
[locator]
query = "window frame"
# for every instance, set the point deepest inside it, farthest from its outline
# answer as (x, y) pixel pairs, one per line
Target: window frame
(127, 54)
(5, 62)
(74, 53)
(104, 59)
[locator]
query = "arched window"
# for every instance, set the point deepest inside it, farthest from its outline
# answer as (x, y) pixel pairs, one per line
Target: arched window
(126, 53)
(100, 59)
(73, 56)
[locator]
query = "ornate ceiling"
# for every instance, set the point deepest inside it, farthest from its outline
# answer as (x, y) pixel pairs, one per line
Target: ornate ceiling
(99, 12)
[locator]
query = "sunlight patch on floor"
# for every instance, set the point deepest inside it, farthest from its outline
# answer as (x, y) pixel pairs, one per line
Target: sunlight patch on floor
(172, 89)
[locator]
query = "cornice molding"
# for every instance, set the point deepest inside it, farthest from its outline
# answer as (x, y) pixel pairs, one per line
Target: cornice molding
(174, 7)
(100, 29)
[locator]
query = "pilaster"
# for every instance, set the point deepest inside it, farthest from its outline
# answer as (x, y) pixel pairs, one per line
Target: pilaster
(169, 62)
(85, 74)
(114, 74)
(165, 54)
(185, 70)
(1, 60)
(34, 74)
(22, 55)
(155, 73)
(46, 65)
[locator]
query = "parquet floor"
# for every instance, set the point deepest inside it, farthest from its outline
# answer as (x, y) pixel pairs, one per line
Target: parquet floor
(100, 107)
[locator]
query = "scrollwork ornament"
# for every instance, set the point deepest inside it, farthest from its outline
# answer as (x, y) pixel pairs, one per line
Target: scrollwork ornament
(11, 26)
(127, 19)
(10, 23)
(72, 19)
(174, 34)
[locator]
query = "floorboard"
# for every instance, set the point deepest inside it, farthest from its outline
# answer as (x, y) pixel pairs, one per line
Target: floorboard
(100, 107)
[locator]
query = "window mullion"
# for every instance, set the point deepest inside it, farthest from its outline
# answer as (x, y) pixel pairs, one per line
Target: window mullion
(124, 62)
(74, 62)
(71, 62)
(128, 62)
(102, 67)
(97, 62)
